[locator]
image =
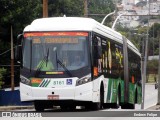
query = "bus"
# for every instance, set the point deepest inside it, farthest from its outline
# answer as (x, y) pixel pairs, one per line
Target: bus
(109, 75)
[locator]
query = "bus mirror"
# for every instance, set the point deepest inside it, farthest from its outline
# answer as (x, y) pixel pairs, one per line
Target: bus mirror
(19, 39)
(18, 49)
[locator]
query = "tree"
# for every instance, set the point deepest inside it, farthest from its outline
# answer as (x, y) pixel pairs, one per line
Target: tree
(17, 13)
(20, 13)
(65, 7)
(153, 32)
(101, 7)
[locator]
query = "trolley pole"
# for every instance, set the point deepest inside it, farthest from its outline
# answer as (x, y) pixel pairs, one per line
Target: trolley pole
(12, 61)
(45, 8)
(107, 17)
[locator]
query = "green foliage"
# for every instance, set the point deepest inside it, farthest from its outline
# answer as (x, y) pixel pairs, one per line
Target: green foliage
(142, 30)
(122, 30)
(152, 66)
(65, 7)
(154, 39)
(19, 13)
(140, 35)
(2, 73)
(153, 31)
(100, 7)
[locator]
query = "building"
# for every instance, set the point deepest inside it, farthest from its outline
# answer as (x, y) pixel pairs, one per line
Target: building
(137, 7)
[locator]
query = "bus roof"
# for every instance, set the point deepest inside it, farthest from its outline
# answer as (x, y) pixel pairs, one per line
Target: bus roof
(65, 24)
(74, 24)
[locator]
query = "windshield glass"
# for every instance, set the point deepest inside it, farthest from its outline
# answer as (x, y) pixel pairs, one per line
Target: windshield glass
(55, 51)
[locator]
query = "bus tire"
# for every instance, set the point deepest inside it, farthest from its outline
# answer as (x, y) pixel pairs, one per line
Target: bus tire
(38, 106)
(66, 107)
(128, 106)
(99, 105)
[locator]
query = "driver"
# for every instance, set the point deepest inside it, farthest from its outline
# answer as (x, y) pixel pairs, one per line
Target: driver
(77, 61)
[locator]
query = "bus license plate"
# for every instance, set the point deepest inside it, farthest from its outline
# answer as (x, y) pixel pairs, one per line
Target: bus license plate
(53, 97)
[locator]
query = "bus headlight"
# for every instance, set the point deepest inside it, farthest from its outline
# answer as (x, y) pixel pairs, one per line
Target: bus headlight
(83, 80)
(25, 81)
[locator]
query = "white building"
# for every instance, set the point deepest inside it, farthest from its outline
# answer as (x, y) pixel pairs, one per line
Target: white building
(138, 7)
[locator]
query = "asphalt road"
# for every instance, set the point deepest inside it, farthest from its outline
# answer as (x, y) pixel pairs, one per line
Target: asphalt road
(112, 114)
(150, 100)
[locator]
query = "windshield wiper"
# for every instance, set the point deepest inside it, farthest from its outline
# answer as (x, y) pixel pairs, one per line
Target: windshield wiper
(58, 61)
(45, 59)
(64, 67)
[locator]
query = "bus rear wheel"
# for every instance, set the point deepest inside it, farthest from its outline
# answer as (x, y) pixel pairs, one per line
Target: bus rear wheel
(67, 107)
(128, 106)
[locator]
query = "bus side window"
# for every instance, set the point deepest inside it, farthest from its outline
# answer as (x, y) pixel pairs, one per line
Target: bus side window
(97, 48)
(97, 55)
(134, 67)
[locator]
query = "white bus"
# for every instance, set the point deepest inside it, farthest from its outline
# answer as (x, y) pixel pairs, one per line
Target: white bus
(73, 61)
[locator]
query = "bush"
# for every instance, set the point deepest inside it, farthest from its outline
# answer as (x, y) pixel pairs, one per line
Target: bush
(152, 67)
(2, 73)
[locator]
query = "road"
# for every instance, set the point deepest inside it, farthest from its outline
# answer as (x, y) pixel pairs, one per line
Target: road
(112, 114)
(150, 100)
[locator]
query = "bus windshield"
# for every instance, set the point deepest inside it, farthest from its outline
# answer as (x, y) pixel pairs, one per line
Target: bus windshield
(55, 51)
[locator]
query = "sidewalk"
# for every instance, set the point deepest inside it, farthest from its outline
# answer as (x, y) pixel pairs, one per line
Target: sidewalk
(156, 107)
(8, 108)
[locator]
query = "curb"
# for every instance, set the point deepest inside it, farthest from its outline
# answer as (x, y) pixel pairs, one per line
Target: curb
(8, 108)
(156, 107)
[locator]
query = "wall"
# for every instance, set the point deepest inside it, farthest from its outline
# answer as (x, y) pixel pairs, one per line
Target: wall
(11, 98)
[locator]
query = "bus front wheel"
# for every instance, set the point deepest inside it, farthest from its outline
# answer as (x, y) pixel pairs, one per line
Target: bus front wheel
(38, 106)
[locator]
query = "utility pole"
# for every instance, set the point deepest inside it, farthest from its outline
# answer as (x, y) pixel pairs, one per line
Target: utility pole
(12, 61)
(159, 72)
(144, 76)
(45, 8)
(85, 8)
(144, 79)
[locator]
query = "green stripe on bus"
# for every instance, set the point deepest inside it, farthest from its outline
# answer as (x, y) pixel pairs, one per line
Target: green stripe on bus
(42, 83)
(113, 90)
(47, 83)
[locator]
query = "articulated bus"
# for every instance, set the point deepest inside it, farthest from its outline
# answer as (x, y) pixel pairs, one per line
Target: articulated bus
(73, 61)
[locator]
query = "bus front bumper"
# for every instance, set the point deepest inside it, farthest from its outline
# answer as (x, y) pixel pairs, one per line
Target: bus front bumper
(78, 93)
